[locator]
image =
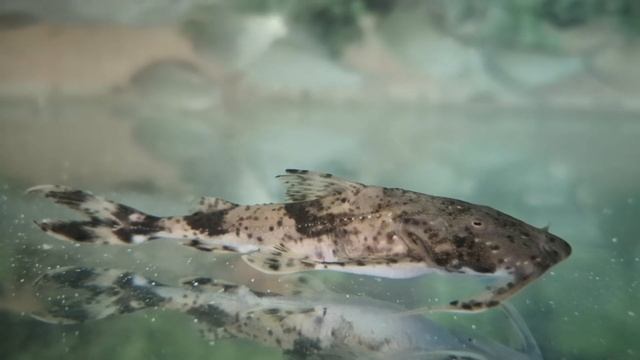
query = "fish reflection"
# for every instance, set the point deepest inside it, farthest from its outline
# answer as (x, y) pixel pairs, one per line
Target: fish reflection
(305, 322)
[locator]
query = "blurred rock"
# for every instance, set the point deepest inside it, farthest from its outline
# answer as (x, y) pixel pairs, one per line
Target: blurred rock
(148, 12)
(616, 66)
(83, 147)
(83, 60)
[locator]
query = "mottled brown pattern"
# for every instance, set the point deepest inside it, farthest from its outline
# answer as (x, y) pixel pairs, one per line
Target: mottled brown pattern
(340, 225)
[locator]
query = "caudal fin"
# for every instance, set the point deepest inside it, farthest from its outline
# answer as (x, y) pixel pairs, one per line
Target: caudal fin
(77, 294)
(109, 222)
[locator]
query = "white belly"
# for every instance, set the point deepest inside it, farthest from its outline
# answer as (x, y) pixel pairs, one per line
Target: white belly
(396, 271)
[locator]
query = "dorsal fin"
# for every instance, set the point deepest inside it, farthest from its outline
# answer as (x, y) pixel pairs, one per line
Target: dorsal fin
(303, 185)
(210, 204)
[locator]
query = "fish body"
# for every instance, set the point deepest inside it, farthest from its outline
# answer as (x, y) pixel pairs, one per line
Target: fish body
(305, 326)
(334, 224)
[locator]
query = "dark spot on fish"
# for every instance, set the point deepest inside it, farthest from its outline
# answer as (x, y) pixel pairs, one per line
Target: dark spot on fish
(76, 230)
(307, 218)
(199, 281)
(75, 278)
(273, 264)
(390, 239)
(304, 348)
(210, 222)
(463, 241)
(211, 315)
(296, 171)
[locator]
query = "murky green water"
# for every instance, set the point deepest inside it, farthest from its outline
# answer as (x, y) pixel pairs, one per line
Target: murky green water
(559, 154)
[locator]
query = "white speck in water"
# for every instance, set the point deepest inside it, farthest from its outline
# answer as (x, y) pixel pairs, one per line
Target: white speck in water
(189, 260)
(473, 326)
(347, 296)
(631, 313)
(195, 320)
(253, 280)
(153, 319)
(46, 247)
(614, 239)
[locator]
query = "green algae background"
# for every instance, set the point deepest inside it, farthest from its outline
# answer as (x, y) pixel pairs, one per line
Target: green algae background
(527, 106)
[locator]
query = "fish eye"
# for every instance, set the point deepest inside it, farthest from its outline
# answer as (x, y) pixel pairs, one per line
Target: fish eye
(477, 223)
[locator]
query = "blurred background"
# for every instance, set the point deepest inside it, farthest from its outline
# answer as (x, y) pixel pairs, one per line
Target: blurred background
(529, 106)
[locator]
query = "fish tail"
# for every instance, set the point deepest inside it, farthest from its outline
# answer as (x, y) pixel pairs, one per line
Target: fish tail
(109, 222)
(77, 294)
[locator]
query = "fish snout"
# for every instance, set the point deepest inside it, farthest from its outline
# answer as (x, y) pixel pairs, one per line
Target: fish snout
(556, 248)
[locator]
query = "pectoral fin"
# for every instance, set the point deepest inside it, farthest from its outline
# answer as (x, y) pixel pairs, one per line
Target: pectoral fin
(278, 260)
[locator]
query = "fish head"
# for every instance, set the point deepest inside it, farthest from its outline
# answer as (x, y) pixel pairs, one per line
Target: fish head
(464, 237)
(512, 242)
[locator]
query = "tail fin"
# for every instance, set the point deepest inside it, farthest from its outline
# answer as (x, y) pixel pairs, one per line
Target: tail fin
(110, 222)
(77, 294)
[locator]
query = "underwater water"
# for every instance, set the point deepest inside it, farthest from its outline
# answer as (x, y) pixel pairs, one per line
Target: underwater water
(531, 109)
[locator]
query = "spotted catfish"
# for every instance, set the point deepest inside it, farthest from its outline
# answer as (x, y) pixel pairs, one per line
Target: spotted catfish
(304, 320)
(335, 224)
